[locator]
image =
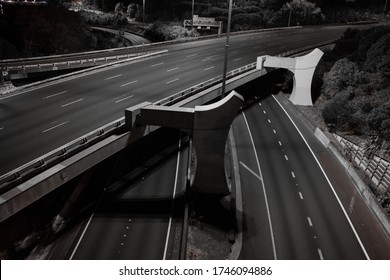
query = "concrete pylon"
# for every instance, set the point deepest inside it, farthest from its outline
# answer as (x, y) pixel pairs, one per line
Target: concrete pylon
(208, 126)
(303, 68)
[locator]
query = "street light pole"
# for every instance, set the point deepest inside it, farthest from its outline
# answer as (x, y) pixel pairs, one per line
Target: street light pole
(223, 94)
(143, 13)
(192, 18)
(289, 17)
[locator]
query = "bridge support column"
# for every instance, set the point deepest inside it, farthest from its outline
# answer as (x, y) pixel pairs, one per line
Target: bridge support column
(303, 68)
(208, 126)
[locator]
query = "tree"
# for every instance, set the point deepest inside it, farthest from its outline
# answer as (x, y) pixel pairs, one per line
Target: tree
(131, 10)
(342, 75)
(302, 13)
(119, 8)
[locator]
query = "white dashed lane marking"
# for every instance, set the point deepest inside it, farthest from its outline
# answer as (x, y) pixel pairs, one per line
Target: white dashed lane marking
(129, 83)
(54, 127)
(123, 99)
(73, 102)
(174, 80)
(309, 221)
(158, 64)
(113, 77)
(212, 67)
(320, 254)
(55, 94)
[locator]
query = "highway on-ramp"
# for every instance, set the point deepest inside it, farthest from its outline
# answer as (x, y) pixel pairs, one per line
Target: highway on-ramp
(36, 121)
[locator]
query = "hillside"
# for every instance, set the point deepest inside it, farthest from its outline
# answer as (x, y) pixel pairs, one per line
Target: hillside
(355, 92)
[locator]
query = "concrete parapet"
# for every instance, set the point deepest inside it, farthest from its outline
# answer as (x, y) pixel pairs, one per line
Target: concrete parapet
(208, 126)
(303, 68)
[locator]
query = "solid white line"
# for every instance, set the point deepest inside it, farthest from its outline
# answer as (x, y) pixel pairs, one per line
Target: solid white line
(50, 96)
(209, 68)
(73, 102)
(251, 171)
(309, 221)
(320, 254)
(112, 77)
(129, 83)
(174, 80)
(158, 64)
(327, 179)
(54, 127)
(173, 69)
(120, 100)
(173, 199)
(264, 190)
(81, 237)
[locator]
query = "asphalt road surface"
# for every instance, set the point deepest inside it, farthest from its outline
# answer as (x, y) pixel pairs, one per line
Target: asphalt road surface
(39, 120)
(290, 208)
(137, 219)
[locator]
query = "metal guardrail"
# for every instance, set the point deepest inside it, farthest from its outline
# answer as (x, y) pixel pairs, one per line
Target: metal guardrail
(176, 41)
(26, 171)
(72, 63)
(19, 175)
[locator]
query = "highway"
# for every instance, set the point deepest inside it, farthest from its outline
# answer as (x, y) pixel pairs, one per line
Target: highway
(139, 215)
(292, 212)
(36, 121)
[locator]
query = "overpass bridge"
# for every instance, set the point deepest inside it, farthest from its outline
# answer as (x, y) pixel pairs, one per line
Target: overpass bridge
(187, 97)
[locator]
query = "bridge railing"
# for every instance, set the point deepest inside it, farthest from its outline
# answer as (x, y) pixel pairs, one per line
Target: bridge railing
(21, 174)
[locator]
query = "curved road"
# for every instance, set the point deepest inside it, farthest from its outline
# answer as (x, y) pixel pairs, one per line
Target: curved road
(291, 212)
(36, 121)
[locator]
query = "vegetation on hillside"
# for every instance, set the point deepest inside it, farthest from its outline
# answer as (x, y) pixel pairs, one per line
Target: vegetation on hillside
(357, 86)
(54, 29)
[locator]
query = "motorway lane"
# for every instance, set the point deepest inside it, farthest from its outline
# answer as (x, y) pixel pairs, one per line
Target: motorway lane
(71, 108)
(139, 222)
(306, 219)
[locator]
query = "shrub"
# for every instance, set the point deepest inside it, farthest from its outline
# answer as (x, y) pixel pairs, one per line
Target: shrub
(343, 74)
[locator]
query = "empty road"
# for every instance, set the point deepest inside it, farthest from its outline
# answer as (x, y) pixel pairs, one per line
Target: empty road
(36, 121)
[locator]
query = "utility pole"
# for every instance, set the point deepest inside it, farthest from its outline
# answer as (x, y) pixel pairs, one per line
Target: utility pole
(223, 94)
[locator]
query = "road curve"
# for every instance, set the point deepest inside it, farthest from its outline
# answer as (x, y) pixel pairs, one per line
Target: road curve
(290, 209)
